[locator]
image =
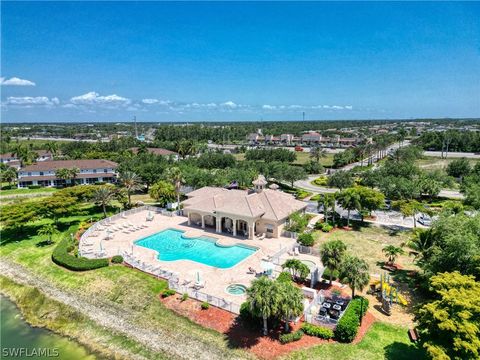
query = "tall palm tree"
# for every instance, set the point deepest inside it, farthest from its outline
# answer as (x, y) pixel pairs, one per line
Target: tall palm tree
(52, 147)
(421, 245)
(63, 174)
(73, 173)
(331, 254)
(349, 199)
(175, 176)
(48, 230)
(163, 192)
(291, 303)
(103, 197)
(263, 296)
(354, 272)
(327, 201)
(317, 153)
(25, 154)
(392, 252)
(131, 182)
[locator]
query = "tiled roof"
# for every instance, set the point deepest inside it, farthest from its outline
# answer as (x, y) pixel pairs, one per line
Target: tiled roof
(68, 164)
(268, 204)
(79, 176)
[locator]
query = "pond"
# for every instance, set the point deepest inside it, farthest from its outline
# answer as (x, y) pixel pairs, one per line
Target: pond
(20, 341)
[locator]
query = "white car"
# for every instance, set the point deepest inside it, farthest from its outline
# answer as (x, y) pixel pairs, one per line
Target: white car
(425, 220)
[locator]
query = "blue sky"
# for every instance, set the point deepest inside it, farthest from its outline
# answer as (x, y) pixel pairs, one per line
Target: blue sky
(73, 61)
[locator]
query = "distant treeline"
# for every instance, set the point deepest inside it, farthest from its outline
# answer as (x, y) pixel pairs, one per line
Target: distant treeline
(463, 141)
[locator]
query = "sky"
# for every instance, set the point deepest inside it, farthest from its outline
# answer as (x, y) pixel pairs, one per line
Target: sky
(227, 61)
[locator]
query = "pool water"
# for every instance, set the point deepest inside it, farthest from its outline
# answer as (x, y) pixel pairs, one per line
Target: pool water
(236, 289)
(172, 245)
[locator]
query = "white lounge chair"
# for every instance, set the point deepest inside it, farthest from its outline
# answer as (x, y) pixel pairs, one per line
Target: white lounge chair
(296, 252)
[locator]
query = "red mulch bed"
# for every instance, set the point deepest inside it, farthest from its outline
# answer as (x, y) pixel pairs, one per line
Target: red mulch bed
(265, 347)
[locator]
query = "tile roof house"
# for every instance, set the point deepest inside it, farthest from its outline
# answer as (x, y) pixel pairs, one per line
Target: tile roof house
(12, 159)
(90, 171)
(241, 211)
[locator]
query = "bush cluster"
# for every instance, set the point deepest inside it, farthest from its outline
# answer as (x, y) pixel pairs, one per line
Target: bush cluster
(62, 256)
(117, 259)
(205, 305)
(323, 226)
(321, 181)
(306, 239)
(184, 297)
(318, 331)
(347, 326)
(284, 276)
(168, 292)
(290, 337)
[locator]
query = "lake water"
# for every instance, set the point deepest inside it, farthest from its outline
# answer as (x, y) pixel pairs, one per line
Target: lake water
(17, 336)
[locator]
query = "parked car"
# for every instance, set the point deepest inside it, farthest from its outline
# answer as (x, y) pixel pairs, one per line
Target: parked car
(298, 148)
(425, 220)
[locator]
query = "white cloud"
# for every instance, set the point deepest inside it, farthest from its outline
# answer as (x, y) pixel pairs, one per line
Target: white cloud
(269, 107)
(337, 107)
(349, 107)
(32, 101)
(150, 101)
(93, 98)
(229, 104)
(15, 81)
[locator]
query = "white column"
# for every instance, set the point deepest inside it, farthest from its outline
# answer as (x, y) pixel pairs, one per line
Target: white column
(234, 227)
(219, 224)
(203, 221)
(189, 221)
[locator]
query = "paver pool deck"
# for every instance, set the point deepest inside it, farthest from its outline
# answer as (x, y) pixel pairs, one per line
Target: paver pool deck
(216, 279)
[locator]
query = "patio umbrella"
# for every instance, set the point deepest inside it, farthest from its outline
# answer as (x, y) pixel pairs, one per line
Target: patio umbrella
(267, 265)
(198, 277)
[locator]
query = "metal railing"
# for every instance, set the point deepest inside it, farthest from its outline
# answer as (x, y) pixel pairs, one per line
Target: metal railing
(193, 293)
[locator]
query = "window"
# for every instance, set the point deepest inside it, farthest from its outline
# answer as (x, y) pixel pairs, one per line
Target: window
(269, 228)
(105, 170)
(41, 173)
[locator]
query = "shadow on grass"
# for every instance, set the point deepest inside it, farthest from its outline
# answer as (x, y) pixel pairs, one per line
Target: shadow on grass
(401, 351)
(241, 337)
(44, 243)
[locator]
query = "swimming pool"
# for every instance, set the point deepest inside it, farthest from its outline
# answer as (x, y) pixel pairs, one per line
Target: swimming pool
(171, 245)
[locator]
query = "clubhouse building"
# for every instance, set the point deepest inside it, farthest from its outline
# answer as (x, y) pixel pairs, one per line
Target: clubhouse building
(261, 211)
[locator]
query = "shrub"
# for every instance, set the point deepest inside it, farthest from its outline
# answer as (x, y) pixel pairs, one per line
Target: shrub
(306, 239)
(205, 305)
(284, 277)
(318, 331)
(347, 326)
(184, 297)
(290, 337)
(62, 256)
(323, 226)
(326, 274)
(302, 194)
(34, 187)
(321, 181)
(117, 259)
(168, 292)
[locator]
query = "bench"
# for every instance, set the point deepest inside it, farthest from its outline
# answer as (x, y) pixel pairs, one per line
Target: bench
(413, 335)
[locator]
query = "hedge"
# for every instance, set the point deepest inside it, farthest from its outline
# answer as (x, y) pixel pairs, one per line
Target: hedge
(61, 256)
(290, 337)
(318, 331)
(117, 259)
(348, 324)
(306, 239)
(168, 292)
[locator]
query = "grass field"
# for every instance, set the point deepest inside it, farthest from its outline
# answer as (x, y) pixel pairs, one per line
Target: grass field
(367, 242)
(27, 191)
(381, 342)
(439, 163)
(302, 158)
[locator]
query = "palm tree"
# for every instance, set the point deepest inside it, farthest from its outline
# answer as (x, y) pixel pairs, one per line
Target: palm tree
(163, 192)
(73, 173)
(25, 154)
(63, 174)
(264, 299)
(317, 153)
(349, 199)
(291, 303)
(52, 147)
(131, 182)
(331, 254)
(102, 197)
(175, 176)
(9, 175)
(392, 252)
(354, 272)
(421, 245)
(327, 201)
(48, 230)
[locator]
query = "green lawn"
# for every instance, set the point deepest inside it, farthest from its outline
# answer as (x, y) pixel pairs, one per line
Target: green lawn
(439, 163)
(27, 191)
(383, 341)
(367, 242)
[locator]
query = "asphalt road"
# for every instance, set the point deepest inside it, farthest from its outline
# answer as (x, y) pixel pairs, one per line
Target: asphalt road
(452, 154)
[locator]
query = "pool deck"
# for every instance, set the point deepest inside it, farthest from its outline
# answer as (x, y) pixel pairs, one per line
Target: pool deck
(216, 279)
